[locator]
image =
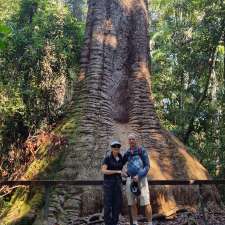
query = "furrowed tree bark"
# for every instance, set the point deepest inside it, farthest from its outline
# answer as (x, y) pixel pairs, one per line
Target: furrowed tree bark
(113, 98)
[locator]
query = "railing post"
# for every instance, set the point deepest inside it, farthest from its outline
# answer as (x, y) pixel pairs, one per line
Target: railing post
(47, 191)
(201, 204)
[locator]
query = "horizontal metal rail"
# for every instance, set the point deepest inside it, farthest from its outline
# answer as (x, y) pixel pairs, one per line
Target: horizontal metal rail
(100, 182)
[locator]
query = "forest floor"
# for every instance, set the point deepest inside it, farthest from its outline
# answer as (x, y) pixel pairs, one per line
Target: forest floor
(183, 218)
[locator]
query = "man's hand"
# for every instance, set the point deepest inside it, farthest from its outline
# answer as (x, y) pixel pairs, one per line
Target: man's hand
(124, 174)
(135, 178)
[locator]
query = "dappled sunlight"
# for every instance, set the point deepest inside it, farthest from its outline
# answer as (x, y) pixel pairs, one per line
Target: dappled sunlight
(108, 25)
(170, 159)
(143, 6)
(106, 37)
(26, 200)
(109, 39)
(156, 172)
(166, 203)
(130, 5)
(18, 210)
(141, 74)
(99, 37)
(192, 166)
(81, 76)
(143, 71)
(194, 169)
(22, 205)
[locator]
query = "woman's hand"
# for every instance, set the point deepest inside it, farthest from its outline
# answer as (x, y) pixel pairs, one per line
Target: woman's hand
(105, 170)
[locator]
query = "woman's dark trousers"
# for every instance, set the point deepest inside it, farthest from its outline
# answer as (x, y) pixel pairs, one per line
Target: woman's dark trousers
(112, 201)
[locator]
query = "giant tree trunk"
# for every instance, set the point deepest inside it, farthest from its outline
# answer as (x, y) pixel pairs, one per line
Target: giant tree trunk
(113, 98)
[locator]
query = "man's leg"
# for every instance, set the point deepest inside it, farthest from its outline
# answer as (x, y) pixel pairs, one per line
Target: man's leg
(148, 213)
(145, 199)
(131, 202)
(134, 212)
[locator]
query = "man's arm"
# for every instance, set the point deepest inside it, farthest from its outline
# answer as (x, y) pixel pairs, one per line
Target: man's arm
(146, 164)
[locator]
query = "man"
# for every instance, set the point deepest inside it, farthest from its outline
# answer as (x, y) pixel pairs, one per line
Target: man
(137, 169)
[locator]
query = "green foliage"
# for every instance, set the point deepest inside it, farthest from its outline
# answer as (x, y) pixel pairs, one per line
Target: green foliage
(42, 48)
(4, 35)
(8, 9)
(11, 104)
(188, 74)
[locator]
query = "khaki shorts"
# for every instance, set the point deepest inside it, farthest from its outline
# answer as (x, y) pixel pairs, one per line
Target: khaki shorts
(144, 197)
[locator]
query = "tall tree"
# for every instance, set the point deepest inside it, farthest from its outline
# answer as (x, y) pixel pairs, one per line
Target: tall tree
(113, 98)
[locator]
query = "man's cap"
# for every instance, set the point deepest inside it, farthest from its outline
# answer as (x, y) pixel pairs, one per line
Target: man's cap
(115, 144)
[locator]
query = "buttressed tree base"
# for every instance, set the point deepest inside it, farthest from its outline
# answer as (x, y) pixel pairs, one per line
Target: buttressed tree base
(112, 99)
(115, 99)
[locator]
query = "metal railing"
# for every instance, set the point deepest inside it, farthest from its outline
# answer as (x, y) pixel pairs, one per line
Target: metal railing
(48, 183)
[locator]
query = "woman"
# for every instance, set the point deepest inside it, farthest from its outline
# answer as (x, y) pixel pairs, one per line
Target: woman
(111, 168)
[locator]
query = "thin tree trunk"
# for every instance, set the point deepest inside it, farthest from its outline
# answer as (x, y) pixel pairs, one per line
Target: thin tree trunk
(201, 99)
(224, 58)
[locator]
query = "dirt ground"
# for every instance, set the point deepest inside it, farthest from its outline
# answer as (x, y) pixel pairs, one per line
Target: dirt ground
(216, 217)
